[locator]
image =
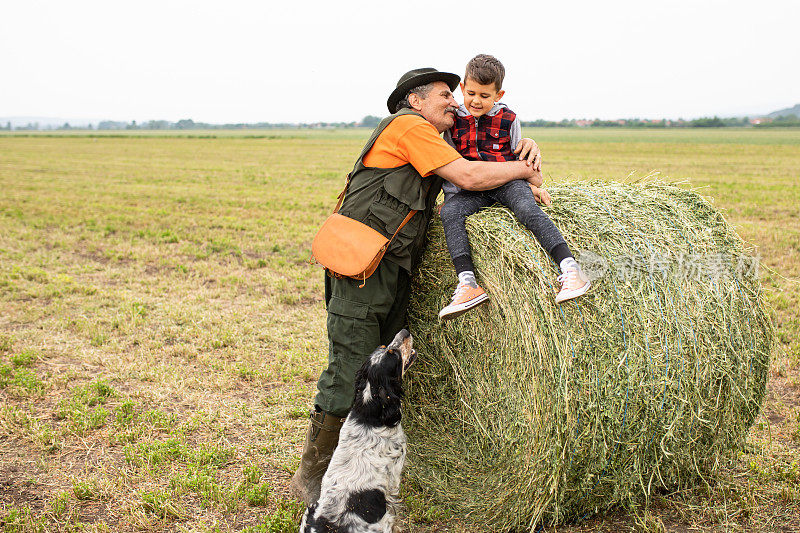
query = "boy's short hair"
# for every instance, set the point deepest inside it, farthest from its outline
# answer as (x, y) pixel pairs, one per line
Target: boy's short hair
(486, 69)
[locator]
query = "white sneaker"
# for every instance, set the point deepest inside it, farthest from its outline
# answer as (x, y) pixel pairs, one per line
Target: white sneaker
(574, 283)
(465, 297)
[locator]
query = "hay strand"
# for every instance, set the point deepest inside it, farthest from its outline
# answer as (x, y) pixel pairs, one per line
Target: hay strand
(523, 411)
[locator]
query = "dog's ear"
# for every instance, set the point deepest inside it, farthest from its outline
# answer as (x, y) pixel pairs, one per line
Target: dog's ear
(381, 376)
(394, 361)
(390, 403)
(390, 388)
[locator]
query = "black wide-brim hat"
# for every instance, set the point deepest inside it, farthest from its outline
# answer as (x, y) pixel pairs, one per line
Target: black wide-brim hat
(417, 77)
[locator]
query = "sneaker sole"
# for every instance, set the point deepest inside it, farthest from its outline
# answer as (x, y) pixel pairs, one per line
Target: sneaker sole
(574, 294)
(460, 309)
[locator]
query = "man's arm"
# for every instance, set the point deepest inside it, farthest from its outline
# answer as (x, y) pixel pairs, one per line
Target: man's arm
(485, 175)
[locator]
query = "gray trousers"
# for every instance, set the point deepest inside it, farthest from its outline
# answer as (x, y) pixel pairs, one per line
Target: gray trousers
(517, 196)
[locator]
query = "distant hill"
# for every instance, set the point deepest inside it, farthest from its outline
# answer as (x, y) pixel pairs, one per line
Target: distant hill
(789, 111)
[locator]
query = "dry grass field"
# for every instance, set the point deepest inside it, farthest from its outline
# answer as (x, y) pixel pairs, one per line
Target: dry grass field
(161, 330)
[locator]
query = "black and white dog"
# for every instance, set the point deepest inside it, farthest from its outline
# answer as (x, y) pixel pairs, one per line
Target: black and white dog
(361, 489)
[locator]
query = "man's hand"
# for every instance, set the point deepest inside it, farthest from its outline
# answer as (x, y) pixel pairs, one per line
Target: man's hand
(534, 178)
(485, 175)
(541, 195)
(528, 150)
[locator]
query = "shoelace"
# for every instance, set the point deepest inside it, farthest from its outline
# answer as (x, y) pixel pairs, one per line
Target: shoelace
(459, 289)
(568, 275)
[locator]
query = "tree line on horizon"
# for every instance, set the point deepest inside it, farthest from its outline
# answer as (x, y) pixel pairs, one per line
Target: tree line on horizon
(370, 121)
(703, 122)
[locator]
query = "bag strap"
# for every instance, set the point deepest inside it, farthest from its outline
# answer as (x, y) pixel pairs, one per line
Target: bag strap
(368, 146)
(408, 216)
(341, 194)
(403, 223)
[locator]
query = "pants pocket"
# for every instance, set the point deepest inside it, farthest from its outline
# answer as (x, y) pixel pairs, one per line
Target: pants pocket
(346, 325)
(347, 333)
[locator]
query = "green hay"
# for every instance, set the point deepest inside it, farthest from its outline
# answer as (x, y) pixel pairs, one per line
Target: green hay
(523, 411)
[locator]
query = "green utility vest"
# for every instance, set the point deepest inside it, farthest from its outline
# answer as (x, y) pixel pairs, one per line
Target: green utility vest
(382, 197)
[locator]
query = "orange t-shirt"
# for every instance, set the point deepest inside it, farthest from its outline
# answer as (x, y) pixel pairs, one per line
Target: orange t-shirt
(410, 139)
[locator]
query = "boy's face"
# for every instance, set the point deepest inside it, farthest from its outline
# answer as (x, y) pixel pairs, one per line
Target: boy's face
(479, 99)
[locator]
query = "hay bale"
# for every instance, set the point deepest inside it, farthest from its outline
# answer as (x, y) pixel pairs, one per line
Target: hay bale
(524, 411)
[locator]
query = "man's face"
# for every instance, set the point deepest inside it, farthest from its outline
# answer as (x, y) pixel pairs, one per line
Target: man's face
(479, 99)
(439, 108)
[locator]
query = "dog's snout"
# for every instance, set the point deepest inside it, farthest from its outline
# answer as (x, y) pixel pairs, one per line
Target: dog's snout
(400, 339)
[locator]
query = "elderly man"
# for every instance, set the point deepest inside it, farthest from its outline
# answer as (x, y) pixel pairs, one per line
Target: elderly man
(400, 168)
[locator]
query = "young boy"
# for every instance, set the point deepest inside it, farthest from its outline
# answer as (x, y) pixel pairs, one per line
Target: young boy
(486, 130)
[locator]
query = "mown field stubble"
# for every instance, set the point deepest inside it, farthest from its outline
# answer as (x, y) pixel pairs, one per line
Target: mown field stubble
(161, 329)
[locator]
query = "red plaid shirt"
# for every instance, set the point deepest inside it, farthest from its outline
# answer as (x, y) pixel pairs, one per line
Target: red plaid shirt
(486, 139)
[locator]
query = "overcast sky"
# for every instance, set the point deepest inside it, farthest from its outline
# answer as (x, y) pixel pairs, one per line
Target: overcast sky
(305, 61)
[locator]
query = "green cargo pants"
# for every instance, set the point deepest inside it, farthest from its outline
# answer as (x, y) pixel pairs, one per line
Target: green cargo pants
(359, 320)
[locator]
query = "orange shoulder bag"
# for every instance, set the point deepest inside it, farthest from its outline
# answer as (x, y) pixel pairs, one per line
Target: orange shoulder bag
(348, 248)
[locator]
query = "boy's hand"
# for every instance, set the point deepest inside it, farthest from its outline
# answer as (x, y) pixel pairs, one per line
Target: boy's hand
(528, 150)
(541, 195)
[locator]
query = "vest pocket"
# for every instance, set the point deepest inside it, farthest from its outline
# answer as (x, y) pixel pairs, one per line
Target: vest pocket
(496, 135)
(409, 192)
(386, 213)
(496, 142)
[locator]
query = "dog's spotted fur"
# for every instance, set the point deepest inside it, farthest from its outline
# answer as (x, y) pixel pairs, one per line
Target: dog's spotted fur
(360, 490)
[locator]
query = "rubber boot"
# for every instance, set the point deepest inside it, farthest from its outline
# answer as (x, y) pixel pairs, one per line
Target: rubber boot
(321, 440)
